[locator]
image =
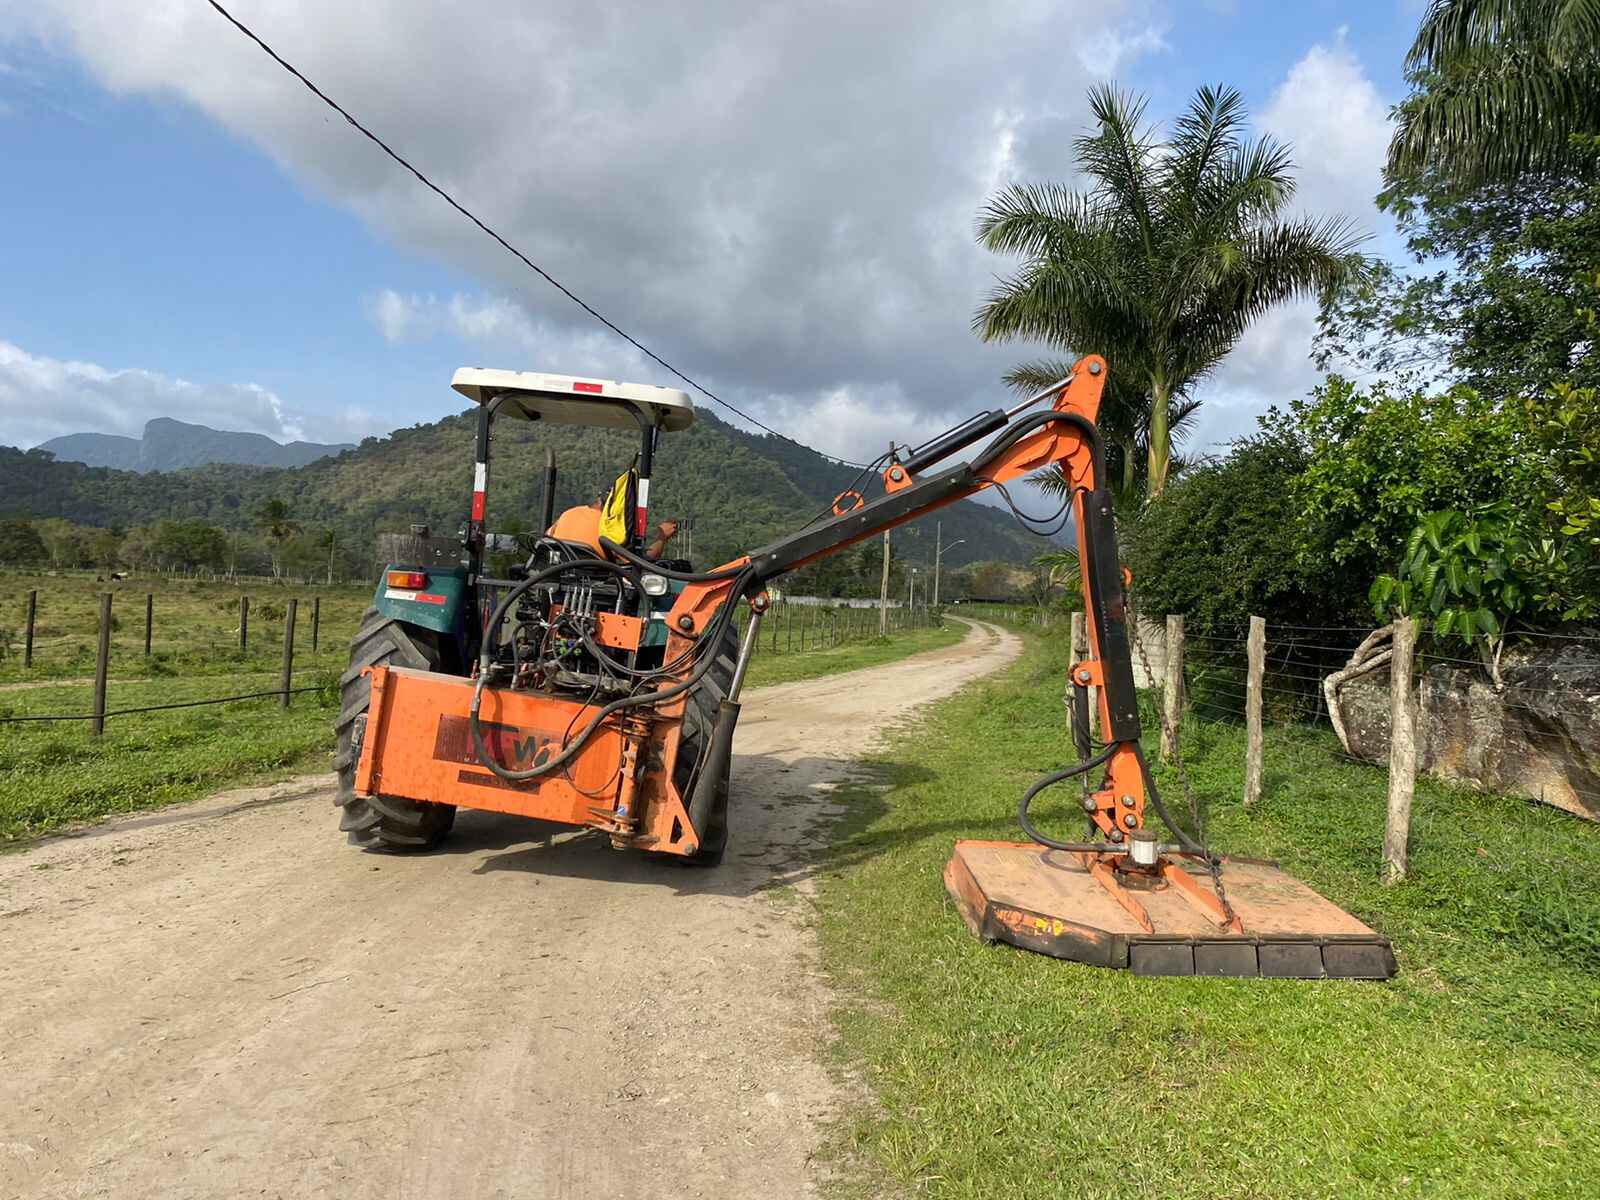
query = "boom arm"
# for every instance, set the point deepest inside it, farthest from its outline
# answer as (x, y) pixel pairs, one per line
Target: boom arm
(1063, 435)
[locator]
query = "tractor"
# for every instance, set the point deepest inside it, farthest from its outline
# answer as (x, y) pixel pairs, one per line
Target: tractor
(597, 685)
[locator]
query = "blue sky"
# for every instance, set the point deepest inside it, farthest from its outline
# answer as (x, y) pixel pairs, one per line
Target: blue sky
(186, 233)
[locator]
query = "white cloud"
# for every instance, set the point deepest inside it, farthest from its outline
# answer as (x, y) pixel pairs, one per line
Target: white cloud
(1338, 123)
(42, 398)
(1105, 53)
(777, 198)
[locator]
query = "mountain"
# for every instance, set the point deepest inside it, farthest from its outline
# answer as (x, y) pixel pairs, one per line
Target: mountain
(170, 445)
(739, 490)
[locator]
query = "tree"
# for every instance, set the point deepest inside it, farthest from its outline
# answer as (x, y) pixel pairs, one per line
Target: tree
(1226, 543)
(138, 546)
(1502, 89)
(279, 527)
(188, 545)
(1393, 480)
(1163, 263)
(20, 544)
(68, 544)
(328, 541)
(1498, 299)
(1057, 574)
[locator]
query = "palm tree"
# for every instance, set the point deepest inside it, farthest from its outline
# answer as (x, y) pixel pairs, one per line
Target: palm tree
(1163, 263)
(1502, 85)
(276, 523)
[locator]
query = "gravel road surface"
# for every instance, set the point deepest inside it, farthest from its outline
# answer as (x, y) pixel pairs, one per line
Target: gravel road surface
(223, 999)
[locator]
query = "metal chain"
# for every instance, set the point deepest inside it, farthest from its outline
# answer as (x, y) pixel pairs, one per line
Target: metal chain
(1171, 736)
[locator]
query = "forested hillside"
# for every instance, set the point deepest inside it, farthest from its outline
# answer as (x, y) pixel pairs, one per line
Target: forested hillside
(739, 490)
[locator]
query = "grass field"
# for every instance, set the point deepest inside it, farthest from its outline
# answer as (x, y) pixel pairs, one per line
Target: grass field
(1476, 1072)
(767, 668)
(56, 774)
(195, 628)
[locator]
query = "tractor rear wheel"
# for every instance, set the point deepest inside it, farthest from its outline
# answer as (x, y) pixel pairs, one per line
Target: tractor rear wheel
(699, 720)
(382, 822)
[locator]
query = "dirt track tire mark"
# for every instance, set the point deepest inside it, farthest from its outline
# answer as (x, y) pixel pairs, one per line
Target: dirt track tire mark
(225, 999)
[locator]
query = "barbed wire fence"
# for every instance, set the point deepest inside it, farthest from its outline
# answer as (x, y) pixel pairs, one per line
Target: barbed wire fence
(790, 629)
(1256, 676)
(107, 625)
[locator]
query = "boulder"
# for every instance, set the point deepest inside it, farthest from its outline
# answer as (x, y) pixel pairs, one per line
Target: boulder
(1539, 738)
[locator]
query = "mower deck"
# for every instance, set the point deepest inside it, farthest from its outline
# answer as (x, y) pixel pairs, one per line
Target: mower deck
(1047, 901)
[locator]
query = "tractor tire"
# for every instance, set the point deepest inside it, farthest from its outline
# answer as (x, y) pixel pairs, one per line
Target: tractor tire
(383, 822)
(699, 720)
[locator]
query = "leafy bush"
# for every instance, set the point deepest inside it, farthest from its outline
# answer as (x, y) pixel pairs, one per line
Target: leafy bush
(1224, 543)
(1470, 510)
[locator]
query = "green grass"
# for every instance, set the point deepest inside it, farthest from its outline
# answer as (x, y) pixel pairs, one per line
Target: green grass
(1476, 1072)
(56, 774)
(195, 629)
(767, 668)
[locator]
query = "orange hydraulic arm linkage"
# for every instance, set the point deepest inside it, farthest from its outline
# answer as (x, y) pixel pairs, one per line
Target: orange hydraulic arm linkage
(1065, 436)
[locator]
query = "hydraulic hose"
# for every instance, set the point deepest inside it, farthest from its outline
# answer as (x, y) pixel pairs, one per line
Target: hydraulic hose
(1051, 780)
(1184, 840)
(1188, 843)
(1023, 426)
(644, 564)
(712, 632)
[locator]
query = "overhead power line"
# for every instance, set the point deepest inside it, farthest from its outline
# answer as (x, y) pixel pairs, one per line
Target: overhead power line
(523, 258)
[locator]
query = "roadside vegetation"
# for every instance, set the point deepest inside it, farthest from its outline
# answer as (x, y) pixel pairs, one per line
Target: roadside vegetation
(1475, 1072)
(767, 669)
(196, 627)
(1447, 468)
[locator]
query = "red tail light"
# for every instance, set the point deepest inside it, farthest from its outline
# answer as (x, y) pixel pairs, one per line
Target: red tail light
(595, 388)
(410, 580)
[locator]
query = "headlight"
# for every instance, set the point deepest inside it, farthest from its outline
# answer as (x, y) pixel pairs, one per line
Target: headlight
(654, 585)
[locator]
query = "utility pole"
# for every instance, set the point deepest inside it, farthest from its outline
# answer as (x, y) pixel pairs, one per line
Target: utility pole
(883, 591)
(938, 556)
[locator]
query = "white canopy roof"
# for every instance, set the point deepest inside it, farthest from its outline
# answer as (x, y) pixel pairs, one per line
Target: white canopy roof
(572, 400)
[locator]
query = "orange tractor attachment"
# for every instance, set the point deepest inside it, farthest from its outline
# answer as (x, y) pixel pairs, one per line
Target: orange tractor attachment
(598, 687)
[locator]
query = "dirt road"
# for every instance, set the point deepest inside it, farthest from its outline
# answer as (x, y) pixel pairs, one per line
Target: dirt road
(226, 1000)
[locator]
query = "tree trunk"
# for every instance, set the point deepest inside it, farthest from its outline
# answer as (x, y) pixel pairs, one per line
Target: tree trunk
(1160, 438)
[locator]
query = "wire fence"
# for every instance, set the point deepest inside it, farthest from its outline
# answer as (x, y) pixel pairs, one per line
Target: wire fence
(106, 626)
(789, 629)
(793, 628)
(1524, 733)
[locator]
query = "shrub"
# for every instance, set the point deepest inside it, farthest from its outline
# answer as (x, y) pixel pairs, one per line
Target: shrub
(1224, 543)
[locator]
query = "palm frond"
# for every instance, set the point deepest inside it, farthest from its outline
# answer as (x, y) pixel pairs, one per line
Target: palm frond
(1119, 157)
(1502, 86)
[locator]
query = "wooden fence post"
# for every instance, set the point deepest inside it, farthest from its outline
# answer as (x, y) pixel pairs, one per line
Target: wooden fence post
(316, 621)
(149, 619)
(288, 651)
(102, 662)
(1172, 692)
(1402, 753)
(1256, 649)
(27, 637)
(1079, 652)
(244, 621)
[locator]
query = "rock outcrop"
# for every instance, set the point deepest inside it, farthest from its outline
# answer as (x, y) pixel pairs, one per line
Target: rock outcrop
(1539, 738)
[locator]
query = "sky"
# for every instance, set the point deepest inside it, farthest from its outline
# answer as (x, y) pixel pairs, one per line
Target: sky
(777, 198)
